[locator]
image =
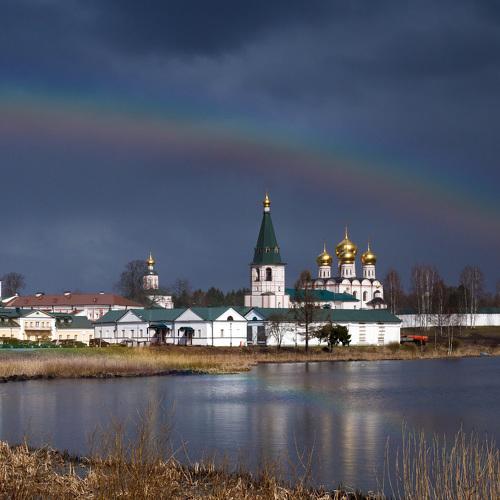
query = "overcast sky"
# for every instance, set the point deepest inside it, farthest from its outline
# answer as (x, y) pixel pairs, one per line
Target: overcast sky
(132, 126)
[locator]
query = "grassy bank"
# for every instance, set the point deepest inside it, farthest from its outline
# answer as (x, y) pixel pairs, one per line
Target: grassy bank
(121, 362)
(467, 468)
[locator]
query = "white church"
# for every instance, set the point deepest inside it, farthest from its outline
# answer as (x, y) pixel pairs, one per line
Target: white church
(346, 290)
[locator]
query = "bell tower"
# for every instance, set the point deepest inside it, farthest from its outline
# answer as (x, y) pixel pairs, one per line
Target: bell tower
(267, 270)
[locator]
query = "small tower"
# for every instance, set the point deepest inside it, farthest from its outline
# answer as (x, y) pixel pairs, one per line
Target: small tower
(369, 259)
(150, 280)
(324, 261)
(346, 252)
(267, 270)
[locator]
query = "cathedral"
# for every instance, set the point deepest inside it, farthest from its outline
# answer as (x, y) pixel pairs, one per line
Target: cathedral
(267, 274)
(367, 289)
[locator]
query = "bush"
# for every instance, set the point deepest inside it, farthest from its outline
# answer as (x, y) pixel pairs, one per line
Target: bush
(455, 344)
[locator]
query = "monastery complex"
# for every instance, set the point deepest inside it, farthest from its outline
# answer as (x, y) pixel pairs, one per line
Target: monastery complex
(341, 297)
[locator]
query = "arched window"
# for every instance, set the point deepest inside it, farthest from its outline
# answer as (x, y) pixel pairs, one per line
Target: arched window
(230, 318)
(355, 295)
(257, 274)
(269, 274)
(365, 295)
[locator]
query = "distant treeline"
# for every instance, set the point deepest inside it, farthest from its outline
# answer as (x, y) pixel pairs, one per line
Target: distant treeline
(429, 294)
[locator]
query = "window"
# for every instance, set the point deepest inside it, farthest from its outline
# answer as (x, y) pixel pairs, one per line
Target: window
(222, 332)
(269, 274)
(230, 318)
(257, 274)
(355, 295)
(199, 333)
(365, 295)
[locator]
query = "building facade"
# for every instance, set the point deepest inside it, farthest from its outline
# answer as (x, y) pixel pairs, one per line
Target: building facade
(43, 326)
(239, 326)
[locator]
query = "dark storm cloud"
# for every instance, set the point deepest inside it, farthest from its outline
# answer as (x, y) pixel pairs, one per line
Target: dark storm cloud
(199, 28)
(411, 80)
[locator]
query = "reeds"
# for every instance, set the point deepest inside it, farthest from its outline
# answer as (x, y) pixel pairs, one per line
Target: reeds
(143, 466)
(120, 361)
(468, 467)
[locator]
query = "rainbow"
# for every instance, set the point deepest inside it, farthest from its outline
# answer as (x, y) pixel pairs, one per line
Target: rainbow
(113, 123)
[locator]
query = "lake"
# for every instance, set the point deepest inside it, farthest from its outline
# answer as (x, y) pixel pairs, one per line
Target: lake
(343, 412)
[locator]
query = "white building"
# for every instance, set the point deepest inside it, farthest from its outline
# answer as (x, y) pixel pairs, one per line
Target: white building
(239, 326)
(42, 326)
(151, 285)
(367, 289)
(267, 270)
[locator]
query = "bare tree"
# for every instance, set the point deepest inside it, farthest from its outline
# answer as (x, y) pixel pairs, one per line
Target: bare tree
(181, 293)
(130, 284)
(471, 280)
(441, 308)
(277, 327)
(304, 304)
(393, 290)
(12, 283)
(424, 279)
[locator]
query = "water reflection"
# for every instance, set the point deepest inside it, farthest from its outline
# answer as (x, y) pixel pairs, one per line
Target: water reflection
(343, 412)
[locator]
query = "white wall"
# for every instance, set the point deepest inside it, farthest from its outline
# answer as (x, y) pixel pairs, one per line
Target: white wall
(414, 321)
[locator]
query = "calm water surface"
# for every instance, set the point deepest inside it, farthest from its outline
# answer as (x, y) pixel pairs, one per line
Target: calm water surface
(344, 412)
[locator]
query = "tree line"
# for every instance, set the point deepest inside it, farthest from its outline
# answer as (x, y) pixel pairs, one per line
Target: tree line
(130, 285)
(429, 295)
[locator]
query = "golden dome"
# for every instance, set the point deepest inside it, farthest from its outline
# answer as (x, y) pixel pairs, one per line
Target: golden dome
(368, 258)
(324, 258)
(346, 250)
(150, 261)
(267, 201)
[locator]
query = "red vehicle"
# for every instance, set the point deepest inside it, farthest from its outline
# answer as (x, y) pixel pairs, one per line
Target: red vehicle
(416, 339)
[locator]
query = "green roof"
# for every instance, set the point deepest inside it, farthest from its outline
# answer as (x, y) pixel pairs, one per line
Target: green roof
(112, 316)
(159, 314)
(322, 295)
(153, 314)
(267, 250)
(489, 310)
(76, 323)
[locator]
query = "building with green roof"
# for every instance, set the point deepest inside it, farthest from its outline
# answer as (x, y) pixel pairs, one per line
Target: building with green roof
(267, 269)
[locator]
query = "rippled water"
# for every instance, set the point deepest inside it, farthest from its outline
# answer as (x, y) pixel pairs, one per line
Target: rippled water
(343, 411)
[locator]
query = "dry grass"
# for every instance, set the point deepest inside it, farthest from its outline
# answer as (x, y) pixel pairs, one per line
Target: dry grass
(119, 361)
(466, 468)
(137, 469)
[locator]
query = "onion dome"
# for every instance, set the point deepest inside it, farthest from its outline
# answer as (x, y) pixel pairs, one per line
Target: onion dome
(150, 261)
(324, 258)
(346, 250)
(368, 258)
(267, 201)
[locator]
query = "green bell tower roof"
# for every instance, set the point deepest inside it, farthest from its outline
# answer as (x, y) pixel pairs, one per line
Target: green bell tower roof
(267, 250)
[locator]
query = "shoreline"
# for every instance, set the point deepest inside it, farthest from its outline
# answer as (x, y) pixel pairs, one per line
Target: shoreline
(110, 363)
